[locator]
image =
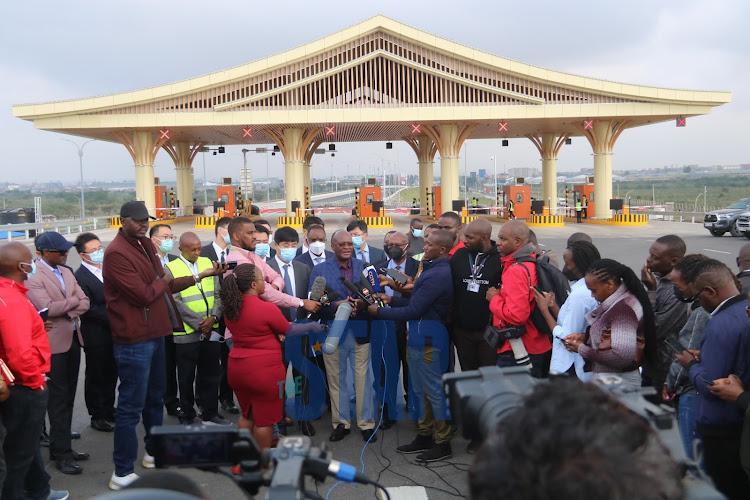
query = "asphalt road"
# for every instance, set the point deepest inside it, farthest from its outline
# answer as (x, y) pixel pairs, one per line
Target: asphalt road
(443, 480)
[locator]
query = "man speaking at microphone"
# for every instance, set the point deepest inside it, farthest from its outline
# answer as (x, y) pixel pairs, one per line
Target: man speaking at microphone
(427, 348)
(352, 349)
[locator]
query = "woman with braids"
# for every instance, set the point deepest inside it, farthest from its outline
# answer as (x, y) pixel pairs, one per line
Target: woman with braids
(678, 382)
(571, 317)
(624, 314)
(255, 366)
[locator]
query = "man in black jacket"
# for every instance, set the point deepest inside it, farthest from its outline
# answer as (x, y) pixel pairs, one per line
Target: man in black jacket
(101, 370)
(474, 269)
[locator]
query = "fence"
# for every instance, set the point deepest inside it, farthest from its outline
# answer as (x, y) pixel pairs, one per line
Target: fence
(9, 232)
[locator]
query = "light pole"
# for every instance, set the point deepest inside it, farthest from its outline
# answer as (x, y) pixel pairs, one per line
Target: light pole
(244, 172)
(80, 163)
(494, 159)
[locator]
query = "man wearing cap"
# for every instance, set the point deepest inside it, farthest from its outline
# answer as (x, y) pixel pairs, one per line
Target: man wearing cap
(54, 287)
(141, 313)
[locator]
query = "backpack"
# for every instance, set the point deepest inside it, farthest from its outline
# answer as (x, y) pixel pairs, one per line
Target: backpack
(550, 279)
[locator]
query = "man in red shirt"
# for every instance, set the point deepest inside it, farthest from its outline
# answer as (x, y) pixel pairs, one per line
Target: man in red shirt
(24, 347)
(513, 303)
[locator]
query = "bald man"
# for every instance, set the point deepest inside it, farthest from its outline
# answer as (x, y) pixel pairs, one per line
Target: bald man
(743, 263)
(513, 303)
(197, 345)
(25, 348)
(474, 268)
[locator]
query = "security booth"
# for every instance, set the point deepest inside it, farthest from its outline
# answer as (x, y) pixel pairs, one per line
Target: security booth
(161, 197)
(369, 201)
(520, 195)
(437, 200)
(228, 194)
(587, 190)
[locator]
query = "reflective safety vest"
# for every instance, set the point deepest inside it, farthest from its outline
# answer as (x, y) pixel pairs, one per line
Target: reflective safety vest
(578, 206)
(200, 300)
(510, 206)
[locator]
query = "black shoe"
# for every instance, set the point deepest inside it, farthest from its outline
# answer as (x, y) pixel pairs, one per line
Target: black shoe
(229, 406)
(306, 428)
(68, 466)
(44, 439)
(338, 433)
(420, 444)
(173, 410)
(101, 425)
(75, 435)
(386, 424)
(79, 456)
(282, 427)
(438, 452)
(369, 435)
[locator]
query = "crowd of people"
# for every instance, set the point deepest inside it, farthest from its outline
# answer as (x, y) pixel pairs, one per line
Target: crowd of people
(186, 332)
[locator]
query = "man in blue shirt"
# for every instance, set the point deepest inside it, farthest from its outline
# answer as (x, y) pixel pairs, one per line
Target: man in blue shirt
(426, 311)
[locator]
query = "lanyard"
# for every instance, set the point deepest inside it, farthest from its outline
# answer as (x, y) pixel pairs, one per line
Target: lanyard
(475, 269)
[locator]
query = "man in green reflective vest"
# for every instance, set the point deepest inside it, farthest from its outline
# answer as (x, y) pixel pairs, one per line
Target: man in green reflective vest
(579, 207)
(511, 208)
(197, 346)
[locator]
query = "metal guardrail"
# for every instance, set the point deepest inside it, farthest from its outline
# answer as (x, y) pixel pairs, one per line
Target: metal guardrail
(30, 230)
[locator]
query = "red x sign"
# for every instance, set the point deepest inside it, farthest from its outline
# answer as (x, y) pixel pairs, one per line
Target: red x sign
(247, 132)
(681, 122)
(502, 126)
(164, 134)
(331, 130)
(416, 129)
(588, 124)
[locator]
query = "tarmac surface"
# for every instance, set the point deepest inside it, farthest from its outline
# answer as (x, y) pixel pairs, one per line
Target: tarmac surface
(442, 480)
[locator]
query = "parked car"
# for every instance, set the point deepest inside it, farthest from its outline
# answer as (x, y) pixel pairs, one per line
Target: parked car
(743, 223)
(719, 222)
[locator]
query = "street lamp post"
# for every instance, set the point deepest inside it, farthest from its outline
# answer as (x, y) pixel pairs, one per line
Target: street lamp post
(80, 164)
(494, 159)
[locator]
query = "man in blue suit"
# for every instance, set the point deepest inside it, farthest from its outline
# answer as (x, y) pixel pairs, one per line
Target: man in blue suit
(357, 229)
(316, 248)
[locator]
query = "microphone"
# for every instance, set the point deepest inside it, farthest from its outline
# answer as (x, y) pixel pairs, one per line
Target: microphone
(317, 291)
(372, 277)
(343, 313)
(363, 294)
(365, 282)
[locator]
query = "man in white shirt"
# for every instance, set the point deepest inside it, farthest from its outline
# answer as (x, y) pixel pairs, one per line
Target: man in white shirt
(310, 220)
(262, 243)
(358, 231)
(316, 242)
(163, 239)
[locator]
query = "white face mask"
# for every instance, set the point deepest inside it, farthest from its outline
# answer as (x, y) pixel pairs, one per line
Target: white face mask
(317, 247)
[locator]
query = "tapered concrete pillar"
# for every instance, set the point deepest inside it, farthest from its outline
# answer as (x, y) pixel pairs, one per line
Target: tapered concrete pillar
(549, 145)
(602, 138)
(448, 139)
(143, 146)
(425, 149)
(183, 154)
(297, 146)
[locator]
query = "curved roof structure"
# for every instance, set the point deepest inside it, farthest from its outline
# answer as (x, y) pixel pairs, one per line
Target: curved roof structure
(373, 81)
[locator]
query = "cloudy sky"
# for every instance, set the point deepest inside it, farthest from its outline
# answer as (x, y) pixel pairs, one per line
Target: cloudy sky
(52, 50)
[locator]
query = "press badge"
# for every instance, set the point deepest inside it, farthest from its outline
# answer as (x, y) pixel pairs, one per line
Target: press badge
(473, 286)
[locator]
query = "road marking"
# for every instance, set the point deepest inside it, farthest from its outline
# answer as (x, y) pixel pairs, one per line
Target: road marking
(717, 251)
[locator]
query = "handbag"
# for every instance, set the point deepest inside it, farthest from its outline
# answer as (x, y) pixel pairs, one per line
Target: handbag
(640, 346)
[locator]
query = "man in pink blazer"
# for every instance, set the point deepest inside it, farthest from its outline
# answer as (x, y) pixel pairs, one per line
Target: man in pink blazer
(54, 287)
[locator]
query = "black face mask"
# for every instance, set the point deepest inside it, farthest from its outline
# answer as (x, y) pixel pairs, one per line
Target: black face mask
(395, 252)
(681, 297)
(385, 248)
(569, 274)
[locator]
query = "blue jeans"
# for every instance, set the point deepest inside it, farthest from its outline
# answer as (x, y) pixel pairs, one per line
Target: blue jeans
(686, 421)
(142, 371)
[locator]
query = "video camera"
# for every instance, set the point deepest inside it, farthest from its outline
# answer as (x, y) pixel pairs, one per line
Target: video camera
(480, 399)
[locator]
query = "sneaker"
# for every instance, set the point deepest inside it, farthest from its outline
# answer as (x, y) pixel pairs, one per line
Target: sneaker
(420, 444)
(58, 495)
(148, 461)
(438, 452)
(118, 482)
(217, 420)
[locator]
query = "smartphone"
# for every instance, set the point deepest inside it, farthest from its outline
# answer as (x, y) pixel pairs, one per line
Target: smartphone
(44, 313)
(707, 382)
(392, 273)
(675, 345)
(537, 290)
(232, 265)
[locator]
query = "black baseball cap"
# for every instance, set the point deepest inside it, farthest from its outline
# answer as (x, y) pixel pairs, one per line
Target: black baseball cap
(136, 210)
(52, 241)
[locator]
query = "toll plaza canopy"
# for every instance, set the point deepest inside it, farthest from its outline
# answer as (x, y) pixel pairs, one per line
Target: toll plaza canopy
(378, 80)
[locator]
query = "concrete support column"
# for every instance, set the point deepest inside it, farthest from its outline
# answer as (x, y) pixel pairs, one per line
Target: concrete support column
(602, 138)
(425, 149)
(143, 146)
(297, 145)
(183, 154)
(449, 138)
(549, 145)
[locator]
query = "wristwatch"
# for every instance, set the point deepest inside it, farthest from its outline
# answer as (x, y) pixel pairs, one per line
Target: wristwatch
(301, 303)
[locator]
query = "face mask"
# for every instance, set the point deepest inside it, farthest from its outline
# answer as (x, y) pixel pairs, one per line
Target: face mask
(317, 247)
(287, 254)
(227, 239)
(569, 274)
(395, 253)
(681, 297)
(30, 274)
(385, 249)
(417, 233)
(357, 240)
(261, 249)
(166, 245)
(96, 257)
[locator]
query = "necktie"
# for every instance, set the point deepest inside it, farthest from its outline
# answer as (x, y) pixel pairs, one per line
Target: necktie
(287, 280)
(317, 260)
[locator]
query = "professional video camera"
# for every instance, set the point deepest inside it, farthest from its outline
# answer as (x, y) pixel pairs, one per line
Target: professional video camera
(480, 399)
(282, 469)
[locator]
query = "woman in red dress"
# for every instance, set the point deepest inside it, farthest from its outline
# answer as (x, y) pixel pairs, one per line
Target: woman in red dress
(255, 370)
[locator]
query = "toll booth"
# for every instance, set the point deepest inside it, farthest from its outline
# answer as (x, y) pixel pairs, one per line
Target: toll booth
(369, 201)
(581, 190)
(162, 202)
(521, 197)
(437, 200)
(229, 195)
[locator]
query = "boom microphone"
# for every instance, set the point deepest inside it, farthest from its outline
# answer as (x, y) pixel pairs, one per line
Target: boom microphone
(343, 313)
(363, 294)
(317, 291)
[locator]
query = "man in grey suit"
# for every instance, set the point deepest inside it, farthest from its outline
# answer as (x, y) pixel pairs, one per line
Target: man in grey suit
(364, 252)
(296, 282)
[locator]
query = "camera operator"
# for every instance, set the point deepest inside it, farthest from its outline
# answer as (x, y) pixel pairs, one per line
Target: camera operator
(610, 452)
